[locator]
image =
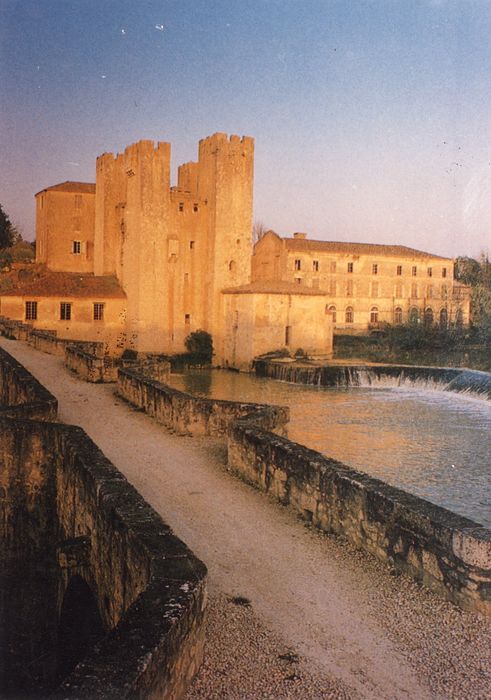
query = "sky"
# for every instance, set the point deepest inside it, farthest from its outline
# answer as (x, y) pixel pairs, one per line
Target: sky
(371, 119)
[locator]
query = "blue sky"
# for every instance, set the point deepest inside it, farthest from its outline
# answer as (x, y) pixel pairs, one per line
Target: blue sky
(372, 119)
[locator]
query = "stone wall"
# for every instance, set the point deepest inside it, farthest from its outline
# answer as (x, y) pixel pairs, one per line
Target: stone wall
(446, 552)
(16, 330)
(21, 395)
(90, 367)
(191, 415)
(66, 515)
(49, 342)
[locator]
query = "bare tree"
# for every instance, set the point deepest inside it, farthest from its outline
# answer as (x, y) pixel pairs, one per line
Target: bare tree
(258, 231)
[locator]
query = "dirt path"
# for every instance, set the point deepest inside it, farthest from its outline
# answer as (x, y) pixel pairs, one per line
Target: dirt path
(359, 631)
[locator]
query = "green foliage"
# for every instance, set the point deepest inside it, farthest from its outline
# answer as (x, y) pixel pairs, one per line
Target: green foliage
(300, 354)
(467, 270)
(7, 231)
(5, 259)
(199, 345)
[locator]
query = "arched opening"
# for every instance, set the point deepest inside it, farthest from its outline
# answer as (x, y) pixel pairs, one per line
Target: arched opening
(80, 625)
(348, 316)
(398, 316)
(332, 310)
(374, 315)
(459, 318)
(443, 318)
(232, 266)
(428, 318)
(413, 315)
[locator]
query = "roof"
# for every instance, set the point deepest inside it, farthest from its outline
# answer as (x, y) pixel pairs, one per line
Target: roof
(70, 186)
(376, 249)
(274, 287)
(63, 285)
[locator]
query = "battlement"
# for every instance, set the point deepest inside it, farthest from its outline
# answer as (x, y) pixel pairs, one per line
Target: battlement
(221, 142)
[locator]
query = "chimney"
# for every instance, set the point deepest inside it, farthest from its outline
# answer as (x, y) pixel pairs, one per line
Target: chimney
(301, 236)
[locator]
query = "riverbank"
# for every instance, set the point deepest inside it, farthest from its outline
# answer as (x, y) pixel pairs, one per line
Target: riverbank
(359, 630)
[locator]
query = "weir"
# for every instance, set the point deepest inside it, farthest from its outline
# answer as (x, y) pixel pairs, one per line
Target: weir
(462, 381)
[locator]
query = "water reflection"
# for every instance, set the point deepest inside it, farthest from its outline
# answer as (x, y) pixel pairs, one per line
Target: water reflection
(431, 443)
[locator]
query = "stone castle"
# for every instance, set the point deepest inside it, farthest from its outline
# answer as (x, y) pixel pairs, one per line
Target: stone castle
(140, 264)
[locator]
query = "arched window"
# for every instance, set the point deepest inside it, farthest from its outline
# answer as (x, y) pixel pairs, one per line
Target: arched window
(348, 316)
(231, 266)
(332, 309)
(428, 318)
(443, 318)
(398, 315)
(374, 314)
(459, 318)
(413, 315)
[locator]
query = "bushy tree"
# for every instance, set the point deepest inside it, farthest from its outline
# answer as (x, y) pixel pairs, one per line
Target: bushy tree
(7, 231)
(199, 344)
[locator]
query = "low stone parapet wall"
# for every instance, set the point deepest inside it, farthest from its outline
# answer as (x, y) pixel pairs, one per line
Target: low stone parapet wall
(49, 342)
(191, 415)
(90, 367)
(16, 330)
(21, 395)
(446, 552)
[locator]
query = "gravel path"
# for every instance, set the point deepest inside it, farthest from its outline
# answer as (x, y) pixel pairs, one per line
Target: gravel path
(319, 619)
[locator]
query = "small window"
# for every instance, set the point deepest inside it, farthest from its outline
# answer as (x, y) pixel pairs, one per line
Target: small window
(399, 270)
(98, 311)
(414, 270)
(181, 206)
(65, 311)
(232, 266)
(349, 314)
(374, 315)
(298, 280)
(398, 316)
(444, 271)
(349, 288)
(374, 269)
(187, 319)
(288, 335)
(31, 310)
(191, 245)
(350, 267)
(332, 266)
(398, 291)
(195, 207)
(429, 271)
(332, 309)
(414, 291)
(374, 289)
(76, 247)
(444, 291)
(298, 264)
(315, 265)
(429, 291)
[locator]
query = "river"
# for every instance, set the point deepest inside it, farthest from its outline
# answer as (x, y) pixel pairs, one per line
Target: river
(432, 443)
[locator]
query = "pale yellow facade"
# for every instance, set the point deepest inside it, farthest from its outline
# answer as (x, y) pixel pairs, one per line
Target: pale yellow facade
(366, 285)
(259, 321)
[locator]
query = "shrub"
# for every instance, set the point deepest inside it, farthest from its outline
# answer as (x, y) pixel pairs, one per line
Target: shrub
(199, 345)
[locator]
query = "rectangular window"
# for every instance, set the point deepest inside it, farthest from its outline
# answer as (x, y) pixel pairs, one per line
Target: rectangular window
(429, 291)
(349, 288)
(444, 271)
(374, 269)
(187, 319)
(332, 266)
(399, 270)
(65, 311)
(298, 264)
(414, 270)
(315, 265)
(31, 310)
(332, 288)
(414, 291)
(429, 272)
(298, 280)
(398, 291)
(374, 289)
(181, 206)
(288, 335)
(98, 311)
(195, 207)
(76, 247)
(191, 245)
(350, 267)
(444, 291)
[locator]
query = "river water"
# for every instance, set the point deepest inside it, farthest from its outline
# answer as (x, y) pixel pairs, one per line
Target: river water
(432, 443)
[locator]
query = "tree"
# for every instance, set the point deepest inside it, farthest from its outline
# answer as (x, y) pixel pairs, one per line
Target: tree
(7, 231)
(467, 271)
(258, 231)
(200, 345)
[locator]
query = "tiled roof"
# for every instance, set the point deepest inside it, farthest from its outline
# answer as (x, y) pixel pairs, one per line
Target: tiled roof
(62, 284)
(69, 186)
(375, 249)
(274, 287)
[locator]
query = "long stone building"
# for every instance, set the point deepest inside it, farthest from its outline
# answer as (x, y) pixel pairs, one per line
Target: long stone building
(140, 264)
(366, 284)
